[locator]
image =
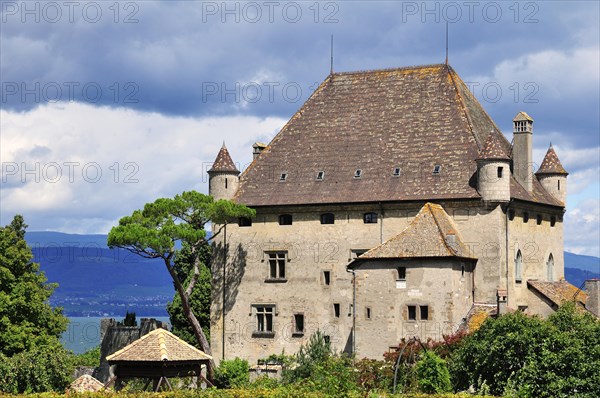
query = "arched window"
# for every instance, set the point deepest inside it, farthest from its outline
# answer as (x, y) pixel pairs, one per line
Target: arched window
(550, 268)
(519, 267)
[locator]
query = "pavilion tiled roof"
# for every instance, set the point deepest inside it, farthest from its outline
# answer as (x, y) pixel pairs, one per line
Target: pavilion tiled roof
(432, 233)
(86, 383)
(559, 292)
(156, 346)
(551, 164)
(409, 118)
(223, 162)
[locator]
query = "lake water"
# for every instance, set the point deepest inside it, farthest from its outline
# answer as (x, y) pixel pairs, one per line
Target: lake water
(83, 333)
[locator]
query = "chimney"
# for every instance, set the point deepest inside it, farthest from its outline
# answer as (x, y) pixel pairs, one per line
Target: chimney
(501, 296)
(522, 150)
(592, 288)
(257, 148)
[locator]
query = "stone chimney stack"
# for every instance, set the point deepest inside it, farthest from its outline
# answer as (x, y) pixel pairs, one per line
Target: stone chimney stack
(592, 288)
(522, 150)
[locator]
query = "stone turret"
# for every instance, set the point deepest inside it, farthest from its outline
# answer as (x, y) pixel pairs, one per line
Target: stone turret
(223, 177)
(493, 171)
(522, 150)
(553, 176)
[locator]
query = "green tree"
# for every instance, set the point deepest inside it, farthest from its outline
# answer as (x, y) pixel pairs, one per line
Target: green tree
(432, 373)
(200, 298)
(26, 318)
(233, 373)
(165, 224)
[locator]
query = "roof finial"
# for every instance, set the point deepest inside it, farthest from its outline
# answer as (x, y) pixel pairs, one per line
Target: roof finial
(223, 144)
(446, 42)
(331, 61)
(550, 144)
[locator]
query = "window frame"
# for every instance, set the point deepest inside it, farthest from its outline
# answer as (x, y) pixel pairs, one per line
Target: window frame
(264, 315)
(320, 175)
(297, 332)
(284, 218)
(277, 266)
(369, 216)
(324, 217)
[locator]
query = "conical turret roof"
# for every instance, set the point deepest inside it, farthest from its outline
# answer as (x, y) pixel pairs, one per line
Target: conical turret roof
(492, 149)
(223, 162)
(551, 164)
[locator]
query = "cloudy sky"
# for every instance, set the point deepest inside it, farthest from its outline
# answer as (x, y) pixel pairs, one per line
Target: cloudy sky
(109, 105)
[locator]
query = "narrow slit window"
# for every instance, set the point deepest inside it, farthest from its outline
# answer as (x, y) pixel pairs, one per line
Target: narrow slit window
(358, 173)
(368, 314)
(320, 175)
(558, 182)
(327, 278)
(336, 310)
(500, 172)
(226, 183)
(283, 177)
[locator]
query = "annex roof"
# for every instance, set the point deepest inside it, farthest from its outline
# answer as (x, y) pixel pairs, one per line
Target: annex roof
(551, 164)
(156, 346)
(559, 292)
(223, 162)
(85, 383)
(377, 121)
(432, 233)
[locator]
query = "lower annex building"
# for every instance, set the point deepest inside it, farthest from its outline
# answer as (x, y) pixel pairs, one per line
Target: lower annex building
(390, 205)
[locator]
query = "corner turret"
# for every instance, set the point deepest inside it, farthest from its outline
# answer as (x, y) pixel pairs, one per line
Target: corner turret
(223, 176)
(553, 176)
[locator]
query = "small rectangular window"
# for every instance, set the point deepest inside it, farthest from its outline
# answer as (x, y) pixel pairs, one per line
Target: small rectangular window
(370, 218)
(500, 172)
(336, 310)
(327, 339)
(320, 175)
(244, 222)
(368, 314)
(327, 278)
(401, 273)
(539, 219)
(412, 312)
(396, 172)
(283, 177)
(298, 323)
(277, 262)
(424, 312)
(285, 219)
(358, 173)
(437, 169)
(327, 218)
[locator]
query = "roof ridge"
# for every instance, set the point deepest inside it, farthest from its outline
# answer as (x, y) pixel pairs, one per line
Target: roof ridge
(443, 235)
(130, 345)
(463, 106)
(400, 68)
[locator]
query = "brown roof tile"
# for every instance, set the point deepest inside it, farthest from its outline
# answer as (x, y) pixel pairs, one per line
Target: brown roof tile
(85, 383)
(551, 164)
(559, 292)
(493, 149)
(432, 233)
(156, 346)
(412, 118)
(223, 162)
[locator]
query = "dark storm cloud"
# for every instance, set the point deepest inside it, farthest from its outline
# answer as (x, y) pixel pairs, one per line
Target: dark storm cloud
(266, 58)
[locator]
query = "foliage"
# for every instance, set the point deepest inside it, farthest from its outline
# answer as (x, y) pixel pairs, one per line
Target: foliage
(526, 356)
(375, 376)
(200, 298)
(308, 357)
(432, 373)
(233, 373)
(89, 358)
(26, 318)
(42, 368)
(165, 224)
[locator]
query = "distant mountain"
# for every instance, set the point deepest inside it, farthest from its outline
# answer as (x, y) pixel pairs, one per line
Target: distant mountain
(55, 239)
(587, 263)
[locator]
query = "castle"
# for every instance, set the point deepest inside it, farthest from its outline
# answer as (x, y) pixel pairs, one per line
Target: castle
(389, 206)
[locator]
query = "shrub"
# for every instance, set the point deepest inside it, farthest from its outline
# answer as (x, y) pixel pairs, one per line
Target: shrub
(309, 356)
(432, 373)
(233, 373)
